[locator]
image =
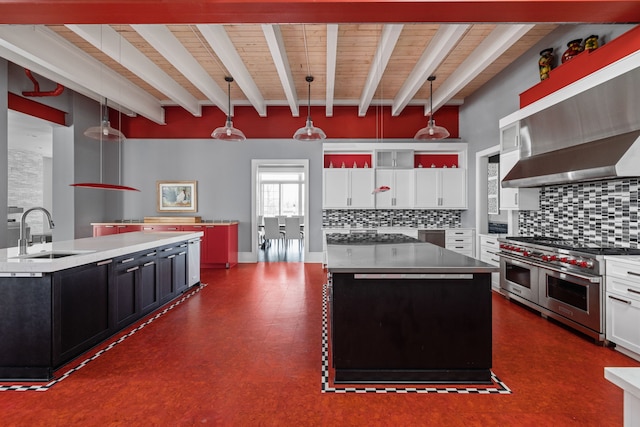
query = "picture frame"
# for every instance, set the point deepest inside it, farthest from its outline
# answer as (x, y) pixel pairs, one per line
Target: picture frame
(177, 196)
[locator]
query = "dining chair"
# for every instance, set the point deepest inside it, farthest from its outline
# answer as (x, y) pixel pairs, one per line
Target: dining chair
(272, 230)
(261, 231)
(292, 229)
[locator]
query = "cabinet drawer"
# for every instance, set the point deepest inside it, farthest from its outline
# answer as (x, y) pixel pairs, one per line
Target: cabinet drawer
(459, 233)
(489, 258)
(457, 241)
(623, 317)
(623, 287)
(489, 241)
(624, 270)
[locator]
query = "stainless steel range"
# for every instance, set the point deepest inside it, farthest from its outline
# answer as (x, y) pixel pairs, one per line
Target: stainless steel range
(562, 279)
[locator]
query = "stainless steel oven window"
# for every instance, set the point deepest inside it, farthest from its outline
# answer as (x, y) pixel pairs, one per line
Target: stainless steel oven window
(568, 292)
(519, 275)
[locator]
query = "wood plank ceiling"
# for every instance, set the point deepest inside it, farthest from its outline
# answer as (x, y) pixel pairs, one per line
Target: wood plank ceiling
(362, 65)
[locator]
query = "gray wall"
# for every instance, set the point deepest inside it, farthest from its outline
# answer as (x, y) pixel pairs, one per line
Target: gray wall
(480, 113)
(4, 146)
(223, 172)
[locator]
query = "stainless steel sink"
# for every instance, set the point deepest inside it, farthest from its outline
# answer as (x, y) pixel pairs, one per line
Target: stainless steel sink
(52, 254)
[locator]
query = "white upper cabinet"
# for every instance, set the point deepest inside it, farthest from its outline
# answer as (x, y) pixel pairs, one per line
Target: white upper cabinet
(401, 182)
(510, 137)
(347, 188)
(516, 198)
(441, 188)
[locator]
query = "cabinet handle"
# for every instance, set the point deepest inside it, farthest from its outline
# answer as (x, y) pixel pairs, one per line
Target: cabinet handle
(495, 260)
(633, 291)
(184, 245)
(147, 264)
(490, 243)
(171, 256)
(150, 254)
(147, 228)
(129, 270)
(109, 226)
(515, 199)
(167, 249)
(209, 226)
(631, 273)
(105, 262)
(620, 299)
(172, 228)
(124, 261)
(182, 253)
(121, 226)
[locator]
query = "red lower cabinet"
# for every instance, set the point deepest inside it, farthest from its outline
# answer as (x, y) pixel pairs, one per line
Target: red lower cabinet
(218, 249)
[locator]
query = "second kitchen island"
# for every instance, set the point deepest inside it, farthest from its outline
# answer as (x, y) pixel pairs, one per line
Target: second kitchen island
(404, 311)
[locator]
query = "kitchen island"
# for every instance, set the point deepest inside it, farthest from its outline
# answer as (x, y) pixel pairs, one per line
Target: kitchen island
(62, 298)
(404, 311)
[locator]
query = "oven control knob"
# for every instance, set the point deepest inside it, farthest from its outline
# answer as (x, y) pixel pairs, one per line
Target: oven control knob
(573, 262)
(525, 253)
(553, 258)
(586, 264)
(545, 257)
(518, 249)
(503, 246)
(563, 259)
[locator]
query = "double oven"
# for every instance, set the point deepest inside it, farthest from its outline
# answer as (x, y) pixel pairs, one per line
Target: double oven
(561, 279)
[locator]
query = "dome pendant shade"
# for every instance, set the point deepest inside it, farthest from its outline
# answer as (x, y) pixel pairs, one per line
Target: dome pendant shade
(104, 132)
(432, 131)
(228, 132)
(309, 132)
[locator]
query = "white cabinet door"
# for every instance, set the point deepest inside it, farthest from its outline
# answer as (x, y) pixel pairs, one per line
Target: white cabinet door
(362, 184)
(510, 137)
(453, 189)
(441, 188)
(516, 198)
(427, 189)
(401, 182)
(335, 189)
(623, 318)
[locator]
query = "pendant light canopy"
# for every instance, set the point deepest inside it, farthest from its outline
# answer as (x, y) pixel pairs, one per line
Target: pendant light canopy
(431, 131)
(309, 132)
(104, 132)
(228, 132)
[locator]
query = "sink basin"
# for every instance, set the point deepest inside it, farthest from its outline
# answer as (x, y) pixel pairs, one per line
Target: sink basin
(52, 254)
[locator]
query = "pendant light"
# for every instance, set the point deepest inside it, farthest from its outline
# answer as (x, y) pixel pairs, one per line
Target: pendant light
(431, 131)
(228, 132)
(309, 132)
(104, 131)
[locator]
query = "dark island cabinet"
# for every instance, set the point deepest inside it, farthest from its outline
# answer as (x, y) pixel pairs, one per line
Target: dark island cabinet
(172, 271)
(48, 319)
(135, 287)
(80, 309)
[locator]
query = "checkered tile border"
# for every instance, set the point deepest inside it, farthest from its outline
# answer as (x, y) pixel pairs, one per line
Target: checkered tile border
(499, 388)
(85, 362)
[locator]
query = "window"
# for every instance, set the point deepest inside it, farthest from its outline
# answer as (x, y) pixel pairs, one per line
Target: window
(281, 193)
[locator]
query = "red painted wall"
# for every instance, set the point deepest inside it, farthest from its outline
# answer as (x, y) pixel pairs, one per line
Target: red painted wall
(279, 123)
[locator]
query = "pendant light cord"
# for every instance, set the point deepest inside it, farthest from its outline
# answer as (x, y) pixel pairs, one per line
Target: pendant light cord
(431, 79)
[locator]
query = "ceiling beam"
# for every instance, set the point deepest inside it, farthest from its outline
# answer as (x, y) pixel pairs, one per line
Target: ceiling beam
(494, 45)
(168, 45)
(388, 40)
(332, 59)
(46, 53)
(445, 39)
(110, 42)
(273, 35)
(221, 44)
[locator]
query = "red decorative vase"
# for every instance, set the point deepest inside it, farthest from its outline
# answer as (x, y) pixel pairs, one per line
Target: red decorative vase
(574, 48)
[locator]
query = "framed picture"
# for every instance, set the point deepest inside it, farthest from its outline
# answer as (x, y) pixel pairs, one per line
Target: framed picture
(177, 196)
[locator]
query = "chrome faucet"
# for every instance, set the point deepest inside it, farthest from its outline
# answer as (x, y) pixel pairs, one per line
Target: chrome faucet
(22, 242)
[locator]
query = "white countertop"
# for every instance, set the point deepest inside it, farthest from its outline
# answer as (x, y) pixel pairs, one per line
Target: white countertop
(92, 249)
(627, 379)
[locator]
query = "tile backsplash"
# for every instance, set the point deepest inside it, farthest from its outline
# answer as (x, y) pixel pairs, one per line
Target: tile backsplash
(369, 218)
(603, 213)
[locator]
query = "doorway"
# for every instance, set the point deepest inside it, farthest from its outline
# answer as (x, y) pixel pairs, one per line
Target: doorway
(279, 190)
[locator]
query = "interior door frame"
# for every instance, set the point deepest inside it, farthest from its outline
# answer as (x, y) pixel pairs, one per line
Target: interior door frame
(255, 164)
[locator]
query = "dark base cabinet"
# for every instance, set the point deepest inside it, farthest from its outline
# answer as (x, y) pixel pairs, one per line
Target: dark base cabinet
(407, 330)
(46, 320)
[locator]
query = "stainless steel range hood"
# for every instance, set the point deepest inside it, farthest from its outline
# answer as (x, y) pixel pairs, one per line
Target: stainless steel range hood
(593, 135)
